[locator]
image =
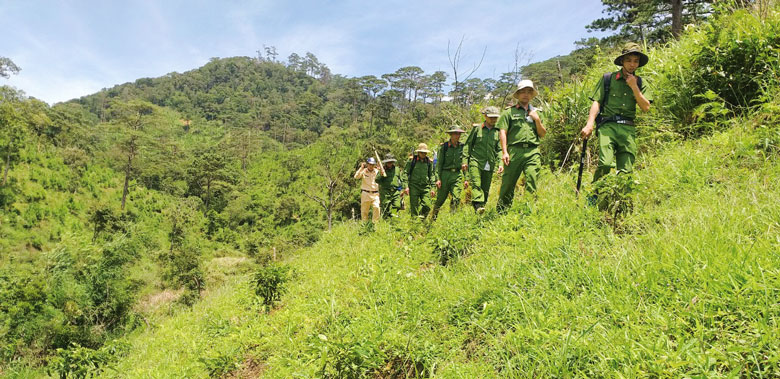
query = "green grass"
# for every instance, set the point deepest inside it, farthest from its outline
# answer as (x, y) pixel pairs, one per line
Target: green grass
(687, 285)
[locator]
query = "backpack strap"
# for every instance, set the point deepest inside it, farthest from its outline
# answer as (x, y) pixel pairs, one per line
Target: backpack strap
(444, 148)
(606, 80)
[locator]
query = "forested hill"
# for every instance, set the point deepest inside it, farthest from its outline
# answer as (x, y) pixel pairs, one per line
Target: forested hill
(293, 102)
(239, 92)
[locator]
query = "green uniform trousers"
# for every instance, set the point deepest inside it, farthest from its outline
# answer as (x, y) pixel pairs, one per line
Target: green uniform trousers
(479, 181)
(617, 148)
(419, 201)
(451, 184)
(526, 160)
(390, 202)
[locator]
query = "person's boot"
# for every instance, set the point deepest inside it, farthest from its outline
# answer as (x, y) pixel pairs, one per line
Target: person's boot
(434, 214)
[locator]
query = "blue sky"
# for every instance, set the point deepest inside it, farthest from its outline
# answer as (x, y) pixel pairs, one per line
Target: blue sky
(67, 49)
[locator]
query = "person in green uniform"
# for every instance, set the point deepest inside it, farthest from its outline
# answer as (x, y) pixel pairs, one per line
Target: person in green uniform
(449, 181)
(613, 113)
(520, 130)
(390, 187)
(420, 179)
(481, 154)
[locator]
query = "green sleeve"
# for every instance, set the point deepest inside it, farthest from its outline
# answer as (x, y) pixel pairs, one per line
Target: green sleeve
(503, 121)
(432, 178)
(598, 92)
(440, 157)
(498, 153)
(465, 152)
(380, 179)
(407, 167)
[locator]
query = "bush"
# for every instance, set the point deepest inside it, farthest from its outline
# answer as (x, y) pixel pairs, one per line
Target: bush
(270, 283)
(615, 196)
(83, 362)
(455, 238)
(346, 358)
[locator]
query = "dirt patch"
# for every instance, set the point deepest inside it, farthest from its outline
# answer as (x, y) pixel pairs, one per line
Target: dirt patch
(155, 301)
(399, 367)
(250, 368)
(229, 261)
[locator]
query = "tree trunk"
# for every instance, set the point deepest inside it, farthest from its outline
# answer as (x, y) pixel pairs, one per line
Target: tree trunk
(330, 204)
(124, 189)
(677, 8)
(7, 167)
(208, 193)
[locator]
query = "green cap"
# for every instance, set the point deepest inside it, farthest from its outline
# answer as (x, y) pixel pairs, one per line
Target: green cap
(491, 111)
(455, 129)
(632, 48)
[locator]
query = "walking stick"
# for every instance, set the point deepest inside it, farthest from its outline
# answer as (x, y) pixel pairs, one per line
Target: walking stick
(582, 164)
(379, 162)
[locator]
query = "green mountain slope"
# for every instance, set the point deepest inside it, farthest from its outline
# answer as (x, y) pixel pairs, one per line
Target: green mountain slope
(687, 285)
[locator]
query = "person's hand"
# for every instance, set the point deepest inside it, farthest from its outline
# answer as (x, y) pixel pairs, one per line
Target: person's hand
(586, 131)
(464, 166)
(406, 191)
(438, 184)
(631, 81)
(466, 184)
(500, 170)
(362, 165)
(433, 193)
(505, 159)
(534, 116)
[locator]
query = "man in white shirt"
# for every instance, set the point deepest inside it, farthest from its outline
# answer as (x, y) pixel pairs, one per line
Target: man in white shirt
(369, 189)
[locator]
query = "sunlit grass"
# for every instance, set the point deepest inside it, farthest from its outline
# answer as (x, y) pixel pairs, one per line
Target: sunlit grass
(686, 286)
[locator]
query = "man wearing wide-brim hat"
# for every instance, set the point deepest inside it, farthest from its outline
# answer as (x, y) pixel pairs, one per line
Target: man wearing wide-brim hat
(369, 189)
(613, 110)
(449, 181)
(390, 187)
(481, 155)
(520, 131)
(420, 179)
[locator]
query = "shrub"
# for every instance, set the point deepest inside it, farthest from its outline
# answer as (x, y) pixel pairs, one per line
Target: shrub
(346, 358)
(616, 195)
(270, 283)
(83, 362)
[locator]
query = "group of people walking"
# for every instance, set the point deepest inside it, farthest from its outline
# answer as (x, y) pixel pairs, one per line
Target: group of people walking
(507, 143)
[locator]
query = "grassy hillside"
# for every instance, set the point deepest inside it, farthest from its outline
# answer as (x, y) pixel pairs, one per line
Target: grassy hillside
(687, 285)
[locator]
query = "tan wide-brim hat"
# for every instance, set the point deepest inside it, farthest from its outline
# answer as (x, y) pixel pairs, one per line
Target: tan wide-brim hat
(422, 148)
(632, 48)
(525, 84)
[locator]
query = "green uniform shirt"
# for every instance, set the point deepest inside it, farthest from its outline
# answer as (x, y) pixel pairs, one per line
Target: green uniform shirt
(483, 146)
(422, 176)
(519, 126)
(394, 181)
(621, 97)
(450, 159)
